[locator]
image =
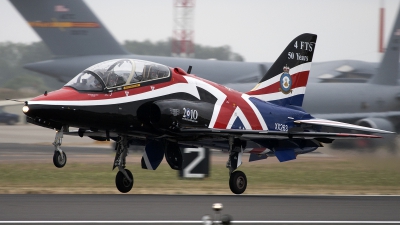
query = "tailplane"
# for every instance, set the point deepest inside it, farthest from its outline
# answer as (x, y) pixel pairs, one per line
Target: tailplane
(285, 82)
(68, 28)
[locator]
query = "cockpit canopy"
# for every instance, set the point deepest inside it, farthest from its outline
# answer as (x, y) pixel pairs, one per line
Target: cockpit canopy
(118, 72)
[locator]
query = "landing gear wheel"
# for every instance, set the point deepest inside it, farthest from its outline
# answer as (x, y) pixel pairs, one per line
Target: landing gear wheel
(123, 184)
(58, 160)
(238, 182)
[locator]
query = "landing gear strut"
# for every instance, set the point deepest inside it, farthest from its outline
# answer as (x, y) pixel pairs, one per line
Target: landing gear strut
(237, 179)
(124, 178)
(59, 157)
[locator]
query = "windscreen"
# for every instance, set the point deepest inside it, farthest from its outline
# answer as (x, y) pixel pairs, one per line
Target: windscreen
(117, 74)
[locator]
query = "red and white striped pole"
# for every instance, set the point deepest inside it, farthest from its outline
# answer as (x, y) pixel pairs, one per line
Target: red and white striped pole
(381, 27)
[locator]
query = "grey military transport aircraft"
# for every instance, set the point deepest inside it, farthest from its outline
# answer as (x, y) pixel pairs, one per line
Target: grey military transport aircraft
(350, 91)
(165, 109)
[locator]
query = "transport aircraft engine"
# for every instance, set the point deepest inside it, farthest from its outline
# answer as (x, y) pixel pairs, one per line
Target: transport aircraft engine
(377, 123)
(388, 142)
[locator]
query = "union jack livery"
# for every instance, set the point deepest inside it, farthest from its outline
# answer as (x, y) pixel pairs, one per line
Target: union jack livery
(135, 102)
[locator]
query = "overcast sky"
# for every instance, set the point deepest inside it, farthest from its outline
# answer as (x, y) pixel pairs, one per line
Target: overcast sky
(259, 30)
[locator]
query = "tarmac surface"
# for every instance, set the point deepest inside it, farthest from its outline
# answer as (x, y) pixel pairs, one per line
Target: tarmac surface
(30, 143)
(147, 208)
(31, 134)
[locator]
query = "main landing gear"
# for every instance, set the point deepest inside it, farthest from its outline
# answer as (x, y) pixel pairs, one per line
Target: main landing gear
(238, 182)
(59, 157)
(124, 178)
(237, 179)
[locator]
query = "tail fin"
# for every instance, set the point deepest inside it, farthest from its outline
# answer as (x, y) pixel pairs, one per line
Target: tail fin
(286, 80)
(68, 28)
(388, 71)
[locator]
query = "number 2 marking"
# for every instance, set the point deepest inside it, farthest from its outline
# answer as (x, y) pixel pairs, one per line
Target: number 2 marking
(194, 163)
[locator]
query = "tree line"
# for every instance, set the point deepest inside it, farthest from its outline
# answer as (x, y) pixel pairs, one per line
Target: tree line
(163, 48)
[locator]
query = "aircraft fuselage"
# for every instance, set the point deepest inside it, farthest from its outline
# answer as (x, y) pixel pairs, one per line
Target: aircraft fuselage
(168, 104)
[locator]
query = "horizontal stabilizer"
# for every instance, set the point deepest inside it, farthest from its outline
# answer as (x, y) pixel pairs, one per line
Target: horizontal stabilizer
(357, 116)
(330, 123)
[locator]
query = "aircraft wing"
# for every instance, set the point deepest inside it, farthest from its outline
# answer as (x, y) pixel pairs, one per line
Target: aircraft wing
(243, 134)
(331, 123)
(254, 134)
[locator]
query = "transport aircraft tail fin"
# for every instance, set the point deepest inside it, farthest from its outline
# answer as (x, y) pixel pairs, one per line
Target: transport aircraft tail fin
(68, 28)
(285, 82)
(388, 71)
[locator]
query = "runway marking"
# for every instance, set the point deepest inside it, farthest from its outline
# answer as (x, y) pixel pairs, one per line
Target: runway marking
(201, 222)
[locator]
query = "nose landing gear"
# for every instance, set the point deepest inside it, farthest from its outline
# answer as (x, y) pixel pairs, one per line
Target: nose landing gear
(124, 178)
(59, 157)
(123, 184)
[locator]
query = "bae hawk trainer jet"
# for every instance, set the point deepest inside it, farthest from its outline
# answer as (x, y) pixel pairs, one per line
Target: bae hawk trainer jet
(165, 109)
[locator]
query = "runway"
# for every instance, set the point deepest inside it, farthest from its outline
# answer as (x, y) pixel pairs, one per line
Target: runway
(166, 209)
(189, 208)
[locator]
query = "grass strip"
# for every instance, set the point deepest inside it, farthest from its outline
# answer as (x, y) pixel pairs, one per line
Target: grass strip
(344, 176)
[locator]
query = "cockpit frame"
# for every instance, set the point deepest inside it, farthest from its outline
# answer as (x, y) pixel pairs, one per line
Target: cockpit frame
(114, 75)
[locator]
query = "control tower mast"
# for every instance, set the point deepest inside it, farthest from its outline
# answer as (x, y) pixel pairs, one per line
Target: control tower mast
(381, 48)
(183, 33)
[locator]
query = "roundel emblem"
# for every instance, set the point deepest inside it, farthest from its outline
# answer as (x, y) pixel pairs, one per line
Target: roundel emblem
(286, 83)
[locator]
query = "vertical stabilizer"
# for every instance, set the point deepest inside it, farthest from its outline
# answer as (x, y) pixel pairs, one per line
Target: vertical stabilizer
(388, 70)
(68, 28)
(285, 82)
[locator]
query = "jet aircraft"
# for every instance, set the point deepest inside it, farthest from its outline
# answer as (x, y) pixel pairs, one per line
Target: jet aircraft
(165, 109)
(364, 95)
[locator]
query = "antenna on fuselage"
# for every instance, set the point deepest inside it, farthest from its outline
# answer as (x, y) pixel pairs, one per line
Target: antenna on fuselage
(189, 70)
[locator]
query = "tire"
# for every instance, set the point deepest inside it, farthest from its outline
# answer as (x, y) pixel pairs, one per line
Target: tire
(58, 162)
(11, 122)
(123, 184)
(238, 182)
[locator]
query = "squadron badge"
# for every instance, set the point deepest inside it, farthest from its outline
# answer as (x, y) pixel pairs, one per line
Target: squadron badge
(285, 81)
